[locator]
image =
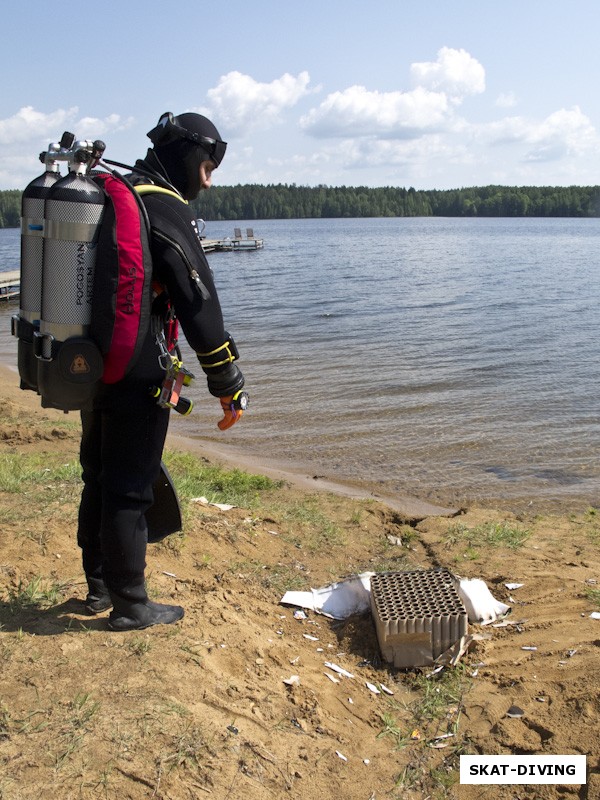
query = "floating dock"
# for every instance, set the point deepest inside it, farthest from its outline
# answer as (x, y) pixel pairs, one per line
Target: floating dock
(237, 242)
(10, 284)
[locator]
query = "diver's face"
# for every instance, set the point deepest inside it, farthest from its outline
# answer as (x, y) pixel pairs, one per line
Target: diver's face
(206, 171)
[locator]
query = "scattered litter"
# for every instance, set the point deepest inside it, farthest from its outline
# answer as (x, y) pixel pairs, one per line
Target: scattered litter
(295, 660)
(595, 615)
(541, 699)
(372, 688)
(299, 614)
(434, 672)
(453, 654)
(571, 653)
(415, 735)
(273, 533)
(293, 680)
(527, 647)
(310, 638)
(385, 689)
(340, 755)
(367, 762)
(438, 742)
(506, 622)
(205, 502)
(515, 712)
(339, 670)
(512, 586)
(338, 600)
(478, 600)
(394, 540)
(233, 729)
(351, 701)
(170, 574)
(332, 678)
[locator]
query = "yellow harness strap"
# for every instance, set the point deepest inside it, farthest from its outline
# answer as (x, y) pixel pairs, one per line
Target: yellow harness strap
(151, 188)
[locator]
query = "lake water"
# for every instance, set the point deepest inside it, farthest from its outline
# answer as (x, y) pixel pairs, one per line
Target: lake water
(452, 360)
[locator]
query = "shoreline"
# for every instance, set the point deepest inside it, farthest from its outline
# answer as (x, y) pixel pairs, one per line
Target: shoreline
(408, 505)
(404, 504)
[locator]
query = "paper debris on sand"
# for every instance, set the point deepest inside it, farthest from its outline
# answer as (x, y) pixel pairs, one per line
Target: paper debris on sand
(339, 600)
(481, 606)
(451, 656)
(205, 502)
(339, 670)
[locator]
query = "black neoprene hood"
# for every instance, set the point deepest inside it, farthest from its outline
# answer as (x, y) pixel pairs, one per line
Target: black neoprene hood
(181, 144)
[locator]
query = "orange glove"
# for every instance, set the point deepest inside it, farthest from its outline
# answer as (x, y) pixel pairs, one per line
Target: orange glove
(233, 407)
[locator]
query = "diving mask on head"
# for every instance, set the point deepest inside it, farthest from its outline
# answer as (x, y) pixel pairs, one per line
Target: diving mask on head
(193, 128)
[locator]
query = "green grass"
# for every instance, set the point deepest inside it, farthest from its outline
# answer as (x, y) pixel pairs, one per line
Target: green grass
(49, 474)
(193, 478)
(593, 595)
(438, 694)
(37, 593)
(19, 471)
(278, 577)
(308, 528)
(494, 534)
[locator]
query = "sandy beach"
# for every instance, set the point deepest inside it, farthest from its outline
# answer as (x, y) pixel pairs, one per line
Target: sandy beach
(238, 700)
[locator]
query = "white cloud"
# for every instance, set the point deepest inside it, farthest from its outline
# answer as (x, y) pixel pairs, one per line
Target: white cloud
(414, 156)
(570, 126)
(242, 104)
(506, 100)
(93, 127)
(456, 73)
(438, 87)
(28, 124)
(28, 132)
(359, 112)
(566, 132)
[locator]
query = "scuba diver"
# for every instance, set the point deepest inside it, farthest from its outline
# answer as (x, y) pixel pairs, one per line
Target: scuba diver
(124, 434)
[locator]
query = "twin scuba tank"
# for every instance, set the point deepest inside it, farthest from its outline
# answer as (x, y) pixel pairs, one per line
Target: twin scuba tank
(61, 217)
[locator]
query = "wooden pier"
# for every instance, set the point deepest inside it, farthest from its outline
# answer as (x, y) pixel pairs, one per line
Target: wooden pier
(237, 242)
(10, 282)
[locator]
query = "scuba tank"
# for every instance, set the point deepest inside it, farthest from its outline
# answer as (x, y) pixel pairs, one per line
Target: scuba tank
(69, 362)
(26, 322)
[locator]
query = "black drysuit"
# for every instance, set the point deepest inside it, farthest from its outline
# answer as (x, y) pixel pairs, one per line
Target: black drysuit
(123, 436)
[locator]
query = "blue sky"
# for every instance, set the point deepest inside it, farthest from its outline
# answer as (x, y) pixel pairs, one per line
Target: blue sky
(429, 94)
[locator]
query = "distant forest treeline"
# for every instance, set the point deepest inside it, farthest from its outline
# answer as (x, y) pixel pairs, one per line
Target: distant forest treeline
(283, 201)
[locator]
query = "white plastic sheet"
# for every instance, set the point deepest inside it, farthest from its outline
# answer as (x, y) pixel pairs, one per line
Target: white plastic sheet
(339, 600)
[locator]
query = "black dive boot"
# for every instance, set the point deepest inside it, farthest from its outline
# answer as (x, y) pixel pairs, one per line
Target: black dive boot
(136, 615)
(98, 598)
